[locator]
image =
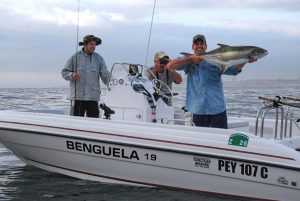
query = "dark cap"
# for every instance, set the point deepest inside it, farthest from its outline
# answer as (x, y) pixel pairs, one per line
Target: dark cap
(199, 36)
(89, 38)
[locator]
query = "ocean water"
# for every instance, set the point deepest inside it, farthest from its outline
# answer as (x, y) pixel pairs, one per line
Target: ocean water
(19, 181)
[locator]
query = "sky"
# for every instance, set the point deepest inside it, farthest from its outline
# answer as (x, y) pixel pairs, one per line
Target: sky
(38, 36)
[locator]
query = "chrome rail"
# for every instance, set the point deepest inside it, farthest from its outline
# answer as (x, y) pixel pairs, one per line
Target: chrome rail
(277, 105)
(290, 114)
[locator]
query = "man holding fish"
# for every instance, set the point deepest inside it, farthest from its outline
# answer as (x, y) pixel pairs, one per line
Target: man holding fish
(204, 94)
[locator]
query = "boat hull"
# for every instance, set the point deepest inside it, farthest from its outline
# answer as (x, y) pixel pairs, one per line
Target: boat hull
(105, 160)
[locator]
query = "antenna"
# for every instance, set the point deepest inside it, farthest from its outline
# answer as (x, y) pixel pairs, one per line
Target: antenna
(150, 33)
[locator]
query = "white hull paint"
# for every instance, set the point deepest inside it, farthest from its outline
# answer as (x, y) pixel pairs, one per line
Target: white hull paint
(190, 158)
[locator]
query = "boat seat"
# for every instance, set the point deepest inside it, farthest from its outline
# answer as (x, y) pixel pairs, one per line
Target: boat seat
(237, 123)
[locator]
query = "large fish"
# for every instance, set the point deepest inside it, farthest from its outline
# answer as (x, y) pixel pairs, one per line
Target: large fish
(225, 55)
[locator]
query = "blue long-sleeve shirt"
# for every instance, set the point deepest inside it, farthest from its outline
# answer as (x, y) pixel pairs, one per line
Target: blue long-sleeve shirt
(204, 92)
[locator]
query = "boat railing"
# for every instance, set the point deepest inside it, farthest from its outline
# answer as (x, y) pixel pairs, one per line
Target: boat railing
(283, 109)
(291, 118)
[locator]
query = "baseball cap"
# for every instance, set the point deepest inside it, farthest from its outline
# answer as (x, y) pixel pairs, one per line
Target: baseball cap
(89, 38)
(199, 36)
(159, 55)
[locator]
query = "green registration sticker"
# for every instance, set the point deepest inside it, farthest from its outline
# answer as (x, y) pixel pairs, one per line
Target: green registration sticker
(238, 139)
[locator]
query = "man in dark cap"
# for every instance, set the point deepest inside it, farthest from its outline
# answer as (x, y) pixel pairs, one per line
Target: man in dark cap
(83, 70)
(204, 93)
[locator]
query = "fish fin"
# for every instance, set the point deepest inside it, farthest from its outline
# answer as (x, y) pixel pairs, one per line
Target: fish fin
(203, 57)
(185, 54)
(223, 45)
(223, 68)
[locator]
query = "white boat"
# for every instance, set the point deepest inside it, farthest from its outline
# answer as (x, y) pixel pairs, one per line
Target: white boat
(142, 145)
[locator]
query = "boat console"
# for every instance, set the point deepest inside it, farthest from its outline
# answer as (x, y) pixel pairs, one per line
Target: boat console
(134, 97)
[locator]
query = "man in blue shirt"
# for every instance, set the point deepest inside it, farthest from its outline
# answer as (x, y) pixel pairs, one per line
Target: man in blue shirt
(204, 94)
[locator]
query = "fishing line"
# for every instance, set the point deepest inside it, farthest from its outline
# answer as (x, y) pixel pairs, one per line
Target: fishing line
(77, 33)
(76, 57)
(150, 32)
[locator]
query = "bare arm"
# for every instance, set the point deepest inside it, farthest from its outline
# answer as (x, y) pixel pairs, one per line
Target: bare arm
(181, 61)
(251, 60)
(177, 77)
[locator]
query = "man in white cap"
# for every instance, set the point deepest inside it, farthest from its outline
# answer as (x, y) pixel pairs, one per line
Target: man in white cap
(83, 70)
(160, 71)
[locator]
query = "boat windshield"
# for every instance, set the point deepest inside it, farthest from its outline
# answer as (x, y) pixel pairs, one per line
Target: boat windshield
(127, 70)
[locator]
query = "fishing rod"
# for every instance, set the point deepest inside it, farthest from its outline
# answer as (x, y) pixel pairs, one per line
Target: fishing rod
(150, 33)
(77, 33)
(276, 102)
(76, 55)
